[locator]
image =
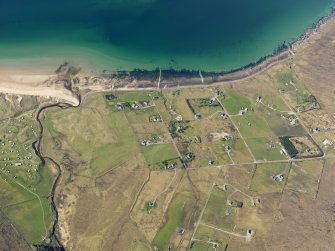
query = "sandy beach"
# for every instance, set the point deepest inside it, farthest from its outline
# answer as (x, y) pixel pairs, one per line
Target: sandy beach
(33, 82)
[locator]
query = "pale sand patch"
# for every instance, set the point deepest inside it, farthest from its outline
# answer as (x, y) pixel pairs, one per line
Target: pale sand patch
(24, 82)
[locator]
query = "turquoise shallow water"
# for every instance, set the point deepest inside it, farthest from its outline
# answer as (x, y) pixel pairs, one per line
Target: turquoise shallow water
(125, 34)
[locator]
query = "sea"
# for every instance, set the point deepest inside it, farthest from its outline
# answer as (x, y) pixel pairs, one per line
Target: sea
(207, 35)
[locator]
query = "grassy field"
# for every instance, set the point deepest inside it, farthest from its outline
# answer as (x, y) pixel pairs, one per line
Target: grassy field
(259, 136)
(264, 180)
(217, 211)
(205, 107)
(30, 215)
(175, 218)
(304, 176)
(104, 144)
(265, 149)
(133, 96)
(206, 238)
(233, 101)
(293, 89)
(155, 154)
(25, 184)
(206, 246)
(176, 100)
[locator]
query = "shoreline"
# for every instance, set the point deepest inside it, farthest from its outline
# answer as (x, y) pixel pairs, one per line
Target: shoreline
(186, 77)
(44, 82)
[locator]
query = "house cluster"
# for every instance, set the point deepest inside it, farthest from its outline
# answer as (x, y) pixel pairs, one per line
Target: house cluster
(327, 142)
(134, 105)
(235, 203)
(179, 118)
(250, 232)
(172, 165)
(243, 110)
(227, 137)
(218, 93)
(122, 105)
(145, 142)
(14, 157)
(198, 116)
(211, 162)
(279, 177)
(110, 97)
(190, 156)
(316, 130)
(224, 187)
(228, 149)
(283, 151)
(181, 128)
(223, 115)
(293, 120)
(155, 118)
(212, 100)
(215, 246)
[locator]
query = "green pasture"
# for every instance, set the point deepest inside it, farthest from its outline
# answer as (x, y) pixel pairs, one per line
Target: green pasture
(174, 219)
(263, 181)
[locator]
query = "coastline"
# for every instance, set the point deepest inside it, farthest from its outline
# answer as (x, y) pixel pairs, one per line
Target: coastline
(176, 78)
(44, 82)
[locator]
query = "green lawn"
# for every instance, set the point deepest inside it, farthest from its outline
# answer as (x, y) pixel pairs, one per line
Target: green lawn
(28, 217)
(201, 246)
(133, 96)
(233, 102)
(175, 217)
(205, 235)
(24, 209)
(157, 153)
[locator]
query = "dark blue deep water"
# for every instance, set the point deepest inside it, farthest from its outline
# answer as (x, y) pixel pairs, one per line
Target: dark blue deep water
(126, 34)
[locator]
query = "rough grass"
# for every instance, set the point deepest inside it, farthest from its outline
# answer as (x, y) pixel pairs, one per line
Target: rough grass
(10, 238)
(104, 138)
(304, 176)
(215, 212)
(262, 180)
(261, 149)
(252, 125)
(285, 76)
